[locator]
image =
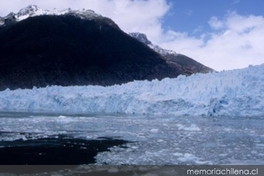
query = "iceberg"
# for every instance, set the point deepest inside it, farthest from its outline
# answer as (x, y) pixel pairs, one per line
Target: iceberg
(227, 93)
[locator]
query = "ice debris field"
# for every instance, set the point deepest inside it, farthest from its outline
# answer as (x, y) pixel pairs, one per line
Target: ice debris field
(227, 93)
(153, 140)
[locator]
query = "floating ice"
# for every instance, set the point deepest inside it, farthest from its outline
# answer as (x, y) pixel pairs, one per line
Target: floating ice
(188, 128)
(152, 140)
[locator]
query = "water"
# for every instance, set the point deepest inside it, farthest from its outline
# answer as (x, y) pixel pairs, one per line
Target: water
(140, 140)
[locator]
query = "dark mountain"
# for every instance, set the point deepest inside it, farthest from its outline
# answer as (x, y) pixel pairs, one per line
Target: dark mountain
(67, 50)
(186, 64)
(74, 48)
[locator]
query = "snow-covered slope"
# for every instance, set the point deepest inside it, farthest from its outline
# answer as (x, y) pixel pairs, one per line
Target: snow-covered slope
(33, 10)
(228, 93)
(143, 38)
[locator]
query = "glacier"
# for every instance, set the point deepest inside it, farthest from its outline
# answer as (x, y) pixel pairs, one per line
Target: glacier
(227, 93)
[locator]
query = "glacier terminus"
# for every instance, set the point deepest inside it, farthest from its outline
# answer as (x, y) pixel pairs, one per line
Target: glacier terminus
(228, 93)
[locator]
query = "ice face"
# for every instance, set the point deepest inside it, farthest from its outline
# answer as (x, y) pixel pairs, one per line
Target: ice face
(228, 93)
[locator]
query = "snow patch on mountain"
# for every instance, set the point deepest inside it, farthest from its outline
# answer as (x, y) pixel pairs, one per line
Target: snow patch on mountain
(1, 21)
(143, 38)
(228, 93)
(140, 37)
(33, 10)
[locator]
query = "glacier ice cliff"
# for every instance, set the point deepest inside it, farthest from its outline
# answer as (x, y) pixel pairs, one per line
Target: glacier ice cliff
(228, 93)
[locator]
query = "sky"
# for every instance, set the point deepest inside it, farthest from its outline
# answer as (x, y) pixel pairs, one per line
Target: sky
(221, 34)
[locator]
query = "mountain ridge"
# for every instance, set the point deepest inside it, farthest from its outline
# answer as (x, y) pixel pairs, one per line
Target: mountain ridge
(74, 48)
(184, 63)
(33, 10)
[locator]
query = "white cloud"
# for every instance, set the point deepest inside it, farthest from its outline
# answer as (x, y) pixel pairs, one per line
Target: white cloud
(234, 41)
(235, 2)
(215, 23)
(198, 29)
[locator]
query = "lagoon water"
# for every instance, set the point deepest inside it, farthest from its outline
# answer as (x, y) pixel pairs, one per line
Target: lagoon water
(134, 139)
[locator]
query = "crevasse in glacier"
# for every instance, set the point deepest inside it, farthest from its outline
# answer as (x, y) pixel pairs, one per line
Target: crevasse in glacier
(227, 93)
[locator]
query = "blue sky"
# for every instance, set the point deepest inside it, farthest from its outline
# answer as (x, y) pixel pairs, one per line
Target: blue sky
(192, 16)
(222, 34)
